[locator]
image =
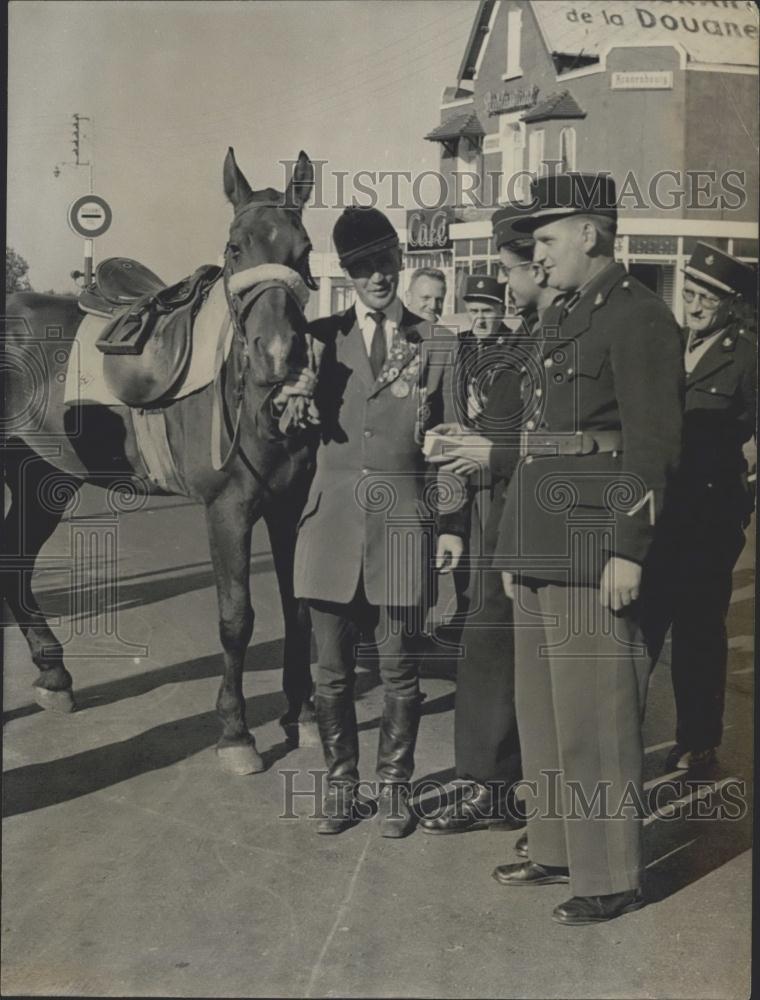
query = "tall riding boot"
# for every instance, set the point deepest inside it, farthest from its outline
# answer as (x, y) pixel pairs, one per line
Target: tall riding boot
(336, 719)
(395, 763)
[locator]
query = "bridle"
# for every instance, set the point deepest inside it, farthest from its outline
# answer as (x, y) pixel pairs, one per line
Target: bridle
(243, 289)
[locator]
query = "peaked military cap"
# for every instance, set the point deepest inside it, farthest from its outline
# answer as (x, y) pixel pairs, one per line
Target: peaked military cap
(361, 232)
(504, 232)
(558, 196)
(481, 286)
(718, 269)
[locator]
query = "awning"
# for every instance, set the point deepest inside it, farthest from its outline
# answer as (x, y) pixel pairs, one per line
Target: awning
(561, 105)
(467, 124)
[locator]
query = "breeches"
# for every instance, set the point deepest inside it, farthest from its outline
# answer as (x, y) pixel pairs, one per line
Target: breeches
(339, 629)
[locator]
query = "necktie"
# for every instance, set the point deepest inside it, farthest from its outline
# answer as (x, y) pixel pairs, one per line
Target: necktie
(695, 342)
(377, 346)
(567, 306)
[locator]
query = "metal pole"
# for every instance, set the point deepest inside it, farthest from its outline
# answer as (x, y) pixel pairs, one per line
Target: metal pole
(87, 263)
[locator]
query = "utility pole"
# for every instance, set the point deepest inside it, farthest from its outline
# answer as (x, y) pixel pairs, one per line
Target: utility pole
(76, 143)
(77, 135)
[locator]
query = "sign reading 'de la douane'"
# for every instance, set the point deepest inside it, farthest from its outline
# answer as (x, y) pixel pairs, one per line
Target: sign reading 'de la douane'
(428, 229)
(711, 31)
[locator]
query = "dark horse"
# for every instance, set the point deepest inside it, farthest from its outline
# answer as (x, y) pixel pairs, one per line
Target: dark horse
(266, 475)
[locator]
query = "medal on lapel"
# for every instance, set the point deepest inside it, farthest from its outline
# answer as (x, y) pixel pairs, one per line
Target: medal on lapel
(400, 388)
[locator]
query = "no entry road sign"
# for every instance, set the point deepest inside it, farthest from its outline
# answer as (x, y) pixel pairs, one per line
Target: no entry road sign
(90, 216)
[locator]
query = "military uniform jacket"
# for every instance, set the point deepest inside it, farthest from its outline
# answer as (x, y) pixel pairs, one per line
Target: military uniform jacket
(373, 499)
(498, 369)
(476, 368)
(613, 363)
(720, 414)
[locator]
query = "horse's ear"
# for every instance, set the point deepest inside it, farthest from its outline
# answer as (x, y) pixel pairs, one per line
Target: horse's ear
(301, 183)
(236, 187)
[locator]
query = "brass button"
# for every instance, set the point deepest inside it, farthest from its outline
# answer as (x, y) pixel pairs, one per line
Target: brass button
(528, 459)
(539, 392)
(530, 425)
(368, 434)
(559, 377)
(547, 363)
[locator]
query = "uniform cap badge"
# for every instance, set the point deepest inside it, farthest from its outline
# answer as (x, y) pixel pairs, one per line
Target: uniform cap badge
(710, 259)
(726, 341)
(479, 284)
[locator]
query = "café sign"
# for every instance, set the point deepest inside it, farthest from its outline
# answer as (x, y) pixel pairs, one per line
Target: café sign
(428, 229)
(498, 102)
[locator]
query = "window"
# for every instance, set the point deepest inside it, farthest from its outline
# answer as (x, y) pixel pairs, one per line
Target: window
(514, 37)
(467, 166)
(567, 150)
(536, 166)
(342, 295)
(512, 134)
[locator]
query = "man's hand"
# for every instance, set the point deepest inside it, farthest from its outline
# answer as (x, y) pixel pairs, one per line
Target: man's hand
(301, 384)
(451, 428)
(508, 582)
(471, 454)
(620, 584)
(448, 553)
(294, 404)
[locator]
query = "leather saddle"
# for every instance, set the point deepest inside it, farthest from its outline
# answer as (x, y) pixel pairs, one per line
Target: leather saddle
(147, 344)
(118, 282)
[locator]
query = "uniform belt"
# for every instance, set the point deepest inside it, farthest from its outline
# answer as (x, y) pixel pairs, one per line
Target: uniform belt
(581, 443)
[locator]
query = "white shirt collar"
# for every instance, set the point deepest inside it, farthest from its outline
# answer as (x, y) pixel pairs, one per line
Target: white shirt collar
(393, 312)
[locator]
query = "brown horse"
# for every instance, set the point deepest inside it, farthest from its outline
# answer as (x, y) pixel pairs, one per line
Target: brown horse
(51, 448)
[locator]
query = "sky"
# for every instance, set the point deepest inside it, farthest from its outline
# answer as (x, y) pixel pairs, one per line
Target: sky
(168, 86)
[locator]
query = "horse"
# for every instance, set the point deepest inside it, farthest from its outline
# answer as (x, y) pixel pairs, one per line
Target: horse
(264, 473)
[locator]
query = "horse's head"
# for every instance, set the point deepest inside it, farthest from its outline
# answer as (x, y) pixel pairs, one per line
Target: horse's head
(267, 267)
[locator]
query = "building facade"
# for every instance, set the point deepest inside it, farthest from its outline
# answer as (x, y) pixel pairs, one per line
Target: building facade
(662, 95)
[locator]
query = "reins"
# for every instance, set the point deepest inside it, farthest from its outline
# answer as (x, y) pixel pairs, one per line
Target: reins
(248, 286)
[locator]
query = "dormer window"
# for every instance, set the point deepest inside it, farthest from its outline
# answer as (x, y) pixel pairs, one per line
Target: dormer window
(514, 44)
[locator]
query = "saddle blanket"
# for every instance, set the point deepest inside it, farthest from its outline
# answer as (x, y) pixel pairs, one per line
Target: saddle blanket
(85, 382)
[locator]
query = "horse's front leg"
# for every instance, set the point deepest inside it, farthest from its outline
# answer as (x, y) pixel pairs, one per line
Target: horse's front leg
(229, 529)
(299, 721)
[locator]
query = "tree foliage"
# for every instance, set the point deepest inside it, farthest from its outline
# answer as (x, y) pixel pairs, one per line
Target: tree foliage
(16, 270)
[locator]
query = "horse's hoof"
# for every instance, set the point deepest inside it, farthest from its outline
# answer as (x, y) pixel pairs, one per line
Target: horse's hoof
(240, 759)
(55, 701)
(302, 733)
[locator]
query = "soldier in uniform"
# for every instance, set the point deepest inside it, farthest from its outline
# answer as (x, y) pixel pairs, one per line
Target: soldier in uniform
(376, 396)
(479, 357)
(487, 749)
(579, 520)
(713, 500)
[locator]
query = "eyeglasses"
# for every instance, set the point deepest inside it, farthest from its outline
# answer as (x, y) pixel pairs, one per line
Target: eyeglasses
(506, 271)
(705, 299)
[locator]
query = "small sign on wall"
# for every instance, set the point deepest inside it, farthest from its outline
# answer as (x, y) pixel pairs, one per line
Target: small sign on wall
(642, 80)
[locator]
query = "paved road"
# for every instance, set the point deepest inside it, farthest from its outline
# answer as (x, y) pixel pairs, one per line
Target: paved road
(133, 866)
